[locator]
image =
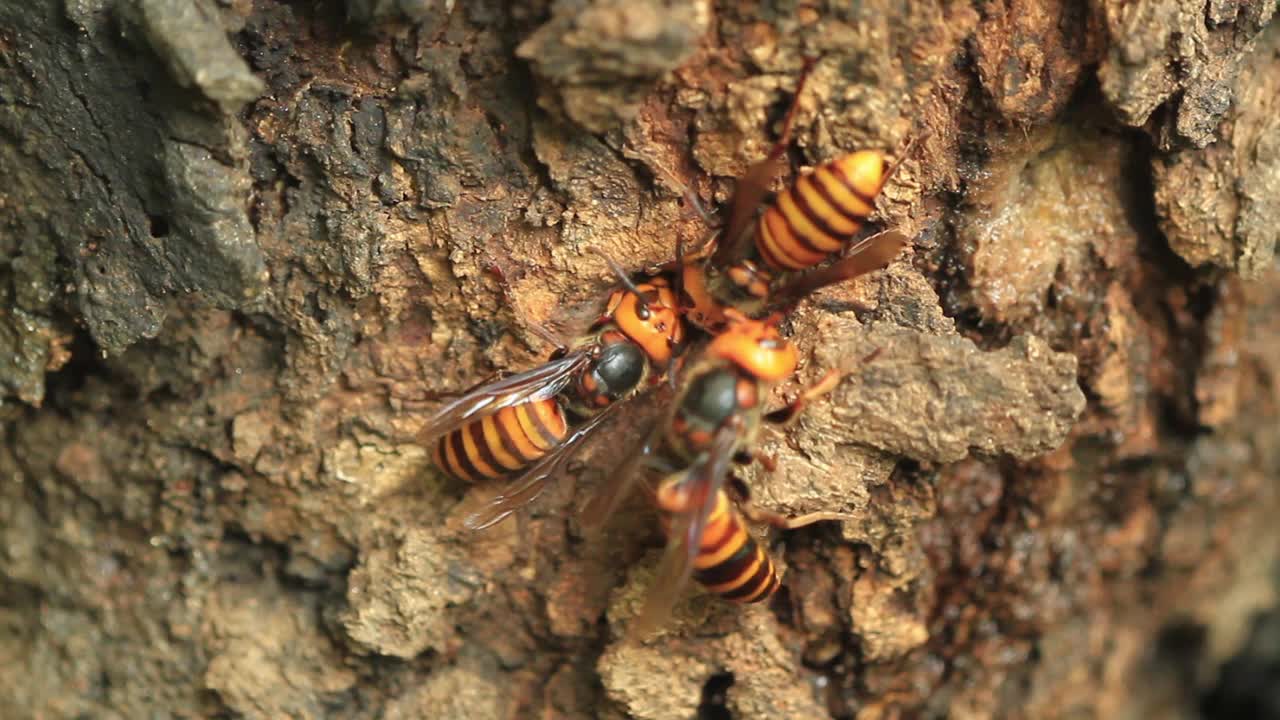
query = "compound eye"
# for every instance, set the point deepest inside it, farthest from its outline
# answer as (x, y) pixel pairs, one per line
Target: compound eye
(620, 367)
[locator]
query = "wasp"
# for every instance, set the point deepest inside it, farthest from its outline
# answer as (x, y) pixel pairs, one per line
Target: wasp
(524, 428)
(712, 425)
(770, 250)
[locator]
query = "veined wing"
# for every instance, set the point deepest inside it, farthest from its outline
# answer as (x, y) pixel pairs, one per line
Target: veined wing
(694, 490)
(526, 487)
(540, 383)
(867, 255)
(622, 478)
(604, 502)
(753, 186)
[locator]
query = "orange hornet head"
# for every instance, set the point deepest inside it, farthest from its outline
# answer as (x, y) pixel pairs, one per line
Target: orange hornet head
(756, 346)
(652, 321)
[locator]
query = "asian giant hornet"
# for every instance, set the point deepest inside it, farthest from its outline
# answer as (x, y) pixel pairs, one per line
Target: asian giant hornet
(524, 428)
(713, 424)
(769, 253)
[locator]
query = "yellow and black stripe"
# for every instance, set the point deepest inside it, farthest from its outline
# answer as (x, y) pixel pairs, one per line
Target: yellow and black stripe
(504, 443)
(818, 215)
(730, 563)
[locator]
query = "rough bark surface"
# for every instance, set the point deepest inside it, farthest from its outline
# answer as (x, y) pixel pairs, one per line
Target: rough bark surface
(246, 247)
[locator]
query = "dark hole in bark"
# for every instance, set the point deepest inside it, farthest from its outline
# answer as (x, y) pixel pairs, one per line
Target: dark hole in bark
(1248, 685)
(714, 695)
(158, 226)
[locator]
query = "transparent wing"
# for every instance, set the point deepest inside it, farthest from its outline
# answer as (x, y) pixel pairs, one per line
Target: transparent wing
(754, 185)
(622, 478)
(540, 383)
(604, 502)
(526, 487)
(750, 193)
(870, 254)
(696, 488)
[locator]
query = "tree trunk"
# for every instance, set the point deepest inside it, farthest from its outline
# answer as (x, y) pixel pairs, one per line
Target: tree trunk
(247, 247)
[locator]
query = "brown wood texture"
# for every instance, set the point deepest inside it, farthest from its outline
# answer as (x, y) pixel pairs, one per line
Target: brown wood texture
(247, 246)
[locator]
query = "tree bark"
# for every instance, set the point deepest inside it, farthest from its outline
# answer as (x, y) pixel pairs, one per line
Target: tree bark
(247, 247)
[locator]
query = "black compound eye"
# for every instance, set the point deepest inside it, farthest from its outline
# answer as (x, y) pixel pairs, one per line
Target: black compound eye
(619, 369)
(712, 397)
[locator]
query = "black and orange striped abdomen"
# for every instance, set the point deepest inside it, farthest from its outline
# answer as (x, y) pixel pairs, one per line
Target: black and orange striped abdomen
(730, 563)
(501, 444)
(818, 215)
